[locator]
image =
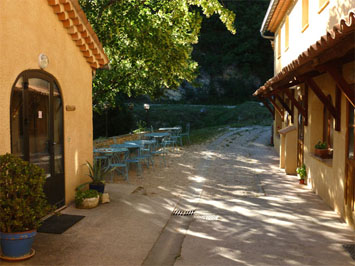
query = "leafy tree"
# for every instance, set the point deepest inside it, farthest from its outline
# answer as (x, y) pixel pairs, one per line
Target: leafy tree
(149, 43)
(248, 55)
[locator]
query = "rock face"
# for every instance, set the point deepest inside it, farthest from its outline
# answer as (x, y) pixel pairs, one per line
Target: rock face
(230, 83)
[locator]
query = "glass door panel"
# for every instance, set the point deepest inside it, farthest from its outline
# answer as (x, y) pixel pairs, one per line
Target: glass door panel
(58, 131)
(37, 129)
(17, 128)
(38, 94)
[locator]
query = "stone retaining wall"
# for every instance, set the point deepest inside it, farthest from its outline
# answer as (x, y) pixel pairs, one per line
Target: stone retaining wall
(101, 143)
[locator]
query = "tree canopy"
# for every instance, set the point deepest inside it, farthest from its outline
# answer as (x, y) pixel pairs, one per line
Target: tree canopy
(149, 43)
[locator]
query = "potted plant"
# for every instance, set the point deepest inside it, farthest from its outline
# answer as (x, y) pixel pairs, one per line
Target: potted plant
(321, 150)
(86, 199)
(301, 173)
(22, 205)
(97, 173)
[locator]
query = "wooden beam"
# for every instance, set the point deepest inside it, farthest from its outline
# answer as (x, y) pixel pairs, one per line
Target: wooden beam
(347, 90)
(338, 108)
(277, 108)
(284, 105)
(324, 99)
(299, 107)
(305, 101)
(268, 107)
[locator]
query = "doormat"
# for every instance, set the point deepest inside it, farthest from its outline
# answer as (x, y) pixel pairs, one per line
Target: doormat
(351, 249)
(58, 224)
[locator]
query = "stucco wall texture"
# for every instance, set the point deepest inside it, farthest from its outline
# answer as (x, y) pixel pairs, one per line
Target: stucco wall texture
(319, 24)
(325, 177)
(27, 29)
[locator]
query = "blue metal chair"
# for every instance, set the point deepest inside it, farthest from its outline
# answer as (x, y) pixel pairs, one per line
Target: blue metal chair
(146, 150)
(131, 159)
(160, 150)
(118, 161)
(99, 157)
(185, 134)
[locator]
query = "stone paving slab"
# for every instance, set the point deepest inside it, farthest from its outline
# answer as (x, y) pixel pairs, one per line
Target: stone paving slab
(118, 233)
(235, 222)
(290, 225)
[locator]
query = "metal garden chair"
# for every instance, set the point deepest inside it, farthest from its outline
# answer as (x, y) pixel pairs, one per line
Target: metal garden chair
(118, 161)
(185, 134)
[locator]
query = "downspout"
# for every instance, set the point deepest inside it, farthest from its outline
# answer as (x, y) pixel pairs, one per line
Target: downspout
(267, 18)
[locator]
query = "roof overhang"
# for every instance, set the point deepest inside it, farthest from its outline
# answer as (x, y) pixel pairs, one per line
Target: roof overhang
(274, 15)
(336, 46)
(75, 22)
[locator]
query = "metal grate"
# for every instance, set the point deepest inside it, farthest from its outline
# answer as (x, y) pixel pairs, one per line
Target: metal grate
(351, 249)
(178, 212)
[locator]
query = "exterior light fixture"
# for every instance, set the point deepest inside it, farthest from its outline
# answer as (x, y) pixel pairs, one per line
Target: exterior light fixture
(146, 106)
(43, 61)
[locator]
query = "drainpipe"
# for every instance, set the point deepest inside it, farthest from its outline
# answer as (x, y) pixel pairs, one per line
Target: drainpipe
(267, 18)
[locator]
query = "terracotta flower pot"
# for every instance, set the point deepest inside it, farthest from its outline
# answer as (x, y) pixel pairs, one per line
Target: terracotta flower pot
(322, 153)
(302, 181)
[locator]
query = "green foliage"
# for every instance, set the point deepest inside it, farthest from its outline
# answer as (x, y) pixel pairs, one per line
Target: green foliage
(97, 172)
(80, 195)
(246, 57)
(321, 145)
(166, 115)
(113, 121)
(149, 43)
(141, 126)
(214, 116)
(22, 200)
(202, 135)
(301, 171)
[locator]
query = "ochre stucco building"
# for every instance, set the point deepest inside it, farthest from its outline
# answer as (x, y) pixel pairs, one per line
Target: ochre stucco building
(313, 94)
(49, 54)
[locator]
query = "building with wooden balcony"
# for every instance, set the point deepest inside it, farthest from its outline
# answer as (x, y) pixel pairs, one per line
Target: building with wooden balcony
(312, 95)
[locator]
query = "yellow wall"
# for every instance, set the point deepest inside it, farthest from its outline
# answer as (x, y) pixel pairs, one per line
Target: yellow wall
(27, 29)
(277, 126)
(319, 23)
(327, 177)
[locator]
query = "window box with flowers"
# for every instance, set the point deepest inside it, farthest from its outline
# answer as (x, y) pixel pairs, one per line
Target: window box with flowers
(322, 150)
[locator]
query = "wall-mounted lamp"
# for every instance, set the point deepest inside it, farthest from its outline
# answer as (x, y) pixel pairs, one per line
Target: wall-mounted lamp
(146, 106)
(43, 61)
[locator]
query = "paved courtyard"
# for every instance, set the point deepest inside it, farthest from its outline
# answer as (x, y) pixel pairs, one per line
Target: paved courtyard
(247, 212)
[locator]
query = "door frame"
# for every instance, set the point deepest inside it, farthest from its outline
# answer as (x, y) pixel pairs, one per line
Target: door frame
(40, 74)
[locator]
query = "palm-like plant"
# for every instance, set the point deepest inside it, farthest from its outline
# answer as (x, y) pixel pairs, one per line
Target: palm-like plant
(98, 172)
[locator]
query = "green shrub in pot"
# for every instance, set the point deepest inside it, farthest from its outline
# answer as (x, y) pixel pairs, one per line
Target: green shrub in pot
(22, 200)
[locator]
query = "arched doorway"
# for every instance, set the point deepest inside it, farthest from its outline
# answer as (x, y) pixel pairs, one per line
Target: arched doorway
(37, 128)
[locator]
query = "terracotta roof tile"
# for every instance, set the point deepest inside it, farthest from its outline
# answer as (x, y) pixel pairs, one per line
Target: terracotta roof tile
(344, 29)
(78, 27)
